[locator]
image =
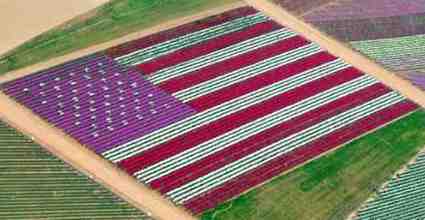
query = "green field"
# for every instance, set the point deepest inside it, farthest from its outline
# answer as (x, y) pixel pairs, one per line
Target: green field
(36, 185)
(114, 19)
(334, 185)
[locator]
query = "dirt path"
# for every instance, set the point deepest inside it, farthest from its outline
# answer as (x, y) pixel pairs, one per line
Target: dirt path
(338, 49)
(69, 150)
(22, 20)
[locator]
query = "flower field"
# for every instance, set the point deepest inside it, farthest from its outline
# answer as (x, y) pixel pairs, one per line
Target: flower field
(390, 32)
(399, 54)
(366, 20)
(402, 54)
(336, 184)
(302, 6)
(208, 110)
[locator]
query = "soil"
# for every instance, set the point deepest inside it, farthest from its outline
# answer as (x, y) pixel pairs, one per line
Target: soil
(22, 20)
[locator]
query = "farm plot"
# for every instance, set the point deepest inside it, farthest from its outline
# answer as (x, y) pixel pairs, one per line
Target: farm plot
(399, 54)
(402, 198)
(362, 9)
(302, 6)
(388, 31)
(208, 110)
(36, 185)
(362, 20)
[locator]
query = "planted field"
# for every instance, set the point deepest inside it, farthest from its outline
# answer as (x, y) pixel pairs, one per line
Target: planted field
(388, 31)
(402, 198)
(400, 54)
(301, 6)
(36, 185)
(208, 110)
(362, 9)
(365, 20)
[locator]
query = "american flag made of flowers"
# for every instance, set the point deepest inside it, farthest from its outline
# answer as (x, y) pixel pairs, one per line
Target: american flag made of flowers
(207, 110)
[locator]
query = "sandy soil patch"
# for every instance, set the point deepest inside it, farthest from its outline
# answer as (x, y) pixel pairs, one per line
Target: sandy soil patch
(22, 20)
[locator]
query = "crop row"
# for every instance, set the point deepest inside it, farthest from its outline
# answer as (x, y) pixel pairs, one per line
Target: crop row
(364, 9)
(403, 197)
(400, 54)
(36, 185)
(360, 20)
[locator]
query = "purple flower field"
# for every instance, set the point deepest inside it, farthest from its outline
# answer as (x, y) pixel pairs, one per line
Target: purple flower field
(97, 101)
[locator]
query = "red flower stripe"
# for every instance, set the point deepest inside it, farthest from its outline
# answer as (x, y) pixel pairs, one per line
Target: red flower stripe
(206, 47)
(265, 138)
(182, 30)
(229, 65)
(254, 83)
(232, 121)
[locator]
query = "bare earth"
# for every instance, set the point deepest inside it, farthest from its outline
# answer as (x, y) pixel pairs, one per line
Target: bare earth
(21, 20)
(69, 150)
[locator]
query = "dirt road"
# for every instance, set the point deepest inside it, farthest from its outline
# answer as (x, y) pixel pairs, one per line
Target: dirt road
(21, 20)
(338, 49)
